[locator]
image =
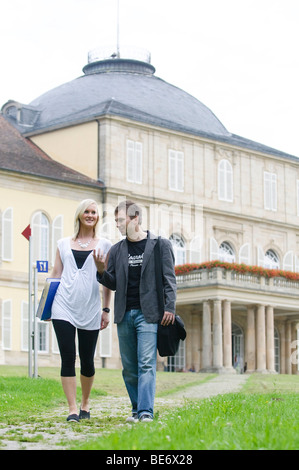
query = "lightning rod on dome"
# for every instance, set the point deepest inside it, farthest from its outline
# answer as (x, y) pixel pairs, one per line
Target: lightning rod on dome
(117, 32)
(126, 52)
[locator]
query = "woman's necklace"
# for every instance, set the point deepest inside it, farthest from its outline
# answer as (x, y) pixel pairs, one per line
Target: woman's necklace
(84, 245)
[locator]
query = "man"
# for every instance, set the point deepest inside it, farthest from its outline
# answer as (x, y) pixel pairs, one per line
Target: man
(130, 271)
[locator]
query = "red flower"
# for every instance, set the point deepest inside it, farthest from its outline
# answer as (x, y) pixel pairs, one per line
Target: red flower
(241, 268)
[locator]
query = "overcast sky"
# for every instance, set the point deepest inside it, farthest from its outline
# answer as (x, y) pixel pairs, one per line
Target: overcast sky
(239, 57)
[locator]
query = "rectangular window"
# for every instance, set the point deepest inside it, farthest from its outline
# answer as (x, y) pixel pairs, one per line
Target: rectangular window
(297, 197)
(134, 162)
(42, 337)
(270, 191)
(176, 170)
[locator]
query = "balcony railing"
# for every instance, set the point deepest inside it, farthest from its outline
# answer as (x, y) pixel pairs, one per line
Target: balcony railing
(226, 276)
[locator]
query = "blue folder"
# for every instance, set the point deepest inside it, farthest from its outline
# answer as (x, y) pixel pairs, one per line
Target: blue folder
(45, 304)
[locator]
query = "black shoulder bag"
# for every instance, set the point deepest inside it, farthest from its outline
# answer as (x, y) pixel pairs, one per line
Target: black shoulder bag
(169, 336)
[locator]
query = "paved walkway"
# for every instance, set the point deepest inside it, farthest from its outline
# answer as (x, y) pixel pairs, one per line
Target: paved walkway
(223, 383)
(103, 409)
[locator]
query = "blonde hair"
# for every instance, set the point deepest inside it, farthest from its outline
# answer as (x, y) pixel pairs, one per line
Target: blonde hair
(78, 214)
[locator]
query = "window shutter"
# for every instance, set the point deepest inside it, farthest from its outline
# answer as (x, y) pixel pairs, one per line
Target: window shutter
(6, 324)
(180, 171)
(221, 181)
(138, 162)
(57, 233)
(229, 182)
(267, 191)
(274, 192)
(130, 161)
(172, 170)
(24, 333)
(244, 254)
(260, 257)
(195, 250)
(7, 238)
(214, 250)
(288, 261)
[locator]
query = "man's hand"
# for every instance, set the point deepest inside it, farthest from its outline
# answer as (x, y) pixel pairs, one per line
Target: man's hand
(99, 259)
(168, 318)
(104, 320)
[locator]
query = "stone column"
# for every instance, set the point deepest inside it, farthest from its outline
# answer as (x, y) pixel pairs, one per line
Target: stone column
(217, 336)
(294, 349)
(250, 340)
(282, 332)
(270, 339)
(288, 348)
(227, 337)
(261, 339)
(206, 355)
(194, 361)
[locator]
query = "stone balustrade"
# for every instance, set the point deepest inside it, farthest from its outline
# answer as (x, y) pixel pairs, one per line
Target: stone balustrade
(205, 277)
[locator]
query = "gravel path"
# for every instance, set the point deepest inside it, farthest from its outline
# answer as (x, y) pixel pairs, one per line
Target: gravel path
(221, 384)
(51, 431)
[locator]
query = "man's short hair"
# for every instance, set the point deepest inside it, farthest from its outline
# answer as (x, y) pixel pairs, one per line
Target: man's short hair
(131, 209)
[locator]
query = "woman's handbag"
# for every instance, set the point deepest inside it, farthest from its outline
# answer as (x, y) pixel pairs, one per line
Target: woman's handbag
(168, 338)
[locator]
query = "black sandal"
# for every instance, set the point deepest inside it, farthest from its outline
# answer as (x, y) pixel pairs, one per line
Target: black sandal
(84, 414)
(73, 418)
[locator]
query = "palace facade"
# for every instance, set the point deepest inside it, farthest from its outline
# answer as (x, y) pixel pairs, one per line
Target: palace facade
(118, 132)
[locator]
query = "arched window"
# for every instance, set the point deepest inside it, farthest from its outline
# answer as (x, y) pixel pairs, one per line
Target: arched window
(271, 260)
(226, 253)
(40, 235)
(225, 181)
(179, 249)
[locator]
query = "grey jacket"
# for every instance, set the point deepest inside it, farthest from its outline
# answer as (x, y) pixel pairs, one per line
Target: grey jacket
(116, 278)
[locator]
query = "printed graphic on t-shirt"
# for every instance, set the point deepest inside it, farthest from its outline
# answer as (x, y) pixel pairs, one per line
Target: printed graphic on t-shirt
(135, 261)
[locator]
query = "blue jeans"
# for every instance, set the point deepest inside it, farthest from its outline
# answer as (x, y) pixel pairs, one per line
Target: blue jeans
(138, 350)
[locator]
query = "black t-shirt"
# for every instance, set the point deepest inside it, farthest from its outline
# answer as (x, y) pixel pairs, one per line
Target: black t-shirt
(135, 260)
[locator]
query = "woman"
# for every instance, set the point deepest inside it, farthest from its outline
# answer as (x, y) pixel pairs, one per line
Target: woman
(77, 305)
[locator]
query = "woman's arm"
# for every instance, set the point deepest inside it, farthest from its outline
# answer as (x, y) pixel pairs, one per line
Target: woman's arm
(58, 266)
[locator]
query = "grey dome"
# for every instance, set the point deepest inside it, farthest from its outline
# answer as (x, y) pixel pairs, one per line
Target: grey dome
(127, 88)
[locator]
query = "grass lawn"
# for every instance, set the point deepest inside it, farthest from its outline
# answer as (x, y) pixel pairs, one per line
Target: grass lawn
(264, 415)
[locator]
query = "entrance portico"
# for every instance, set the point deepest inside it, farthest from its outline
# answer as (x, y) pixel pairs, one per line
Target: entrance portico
(266, 311)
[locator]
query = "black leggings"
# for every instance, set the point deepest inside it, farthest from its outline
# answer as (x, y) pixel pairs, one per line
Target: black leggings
(87, 341)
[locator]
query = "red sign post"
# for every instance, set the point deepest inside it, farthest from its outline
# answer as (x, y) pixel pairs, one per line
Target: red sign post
(27, 234)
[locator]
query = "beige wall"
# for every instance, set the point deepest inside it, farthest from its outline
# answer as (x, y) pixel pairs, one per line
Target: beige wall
(26, 196)
(75, 147)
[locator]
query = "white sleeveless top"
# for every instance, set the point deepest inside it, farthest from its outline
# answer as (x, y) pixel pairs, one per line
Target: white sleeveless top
(78, 299)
